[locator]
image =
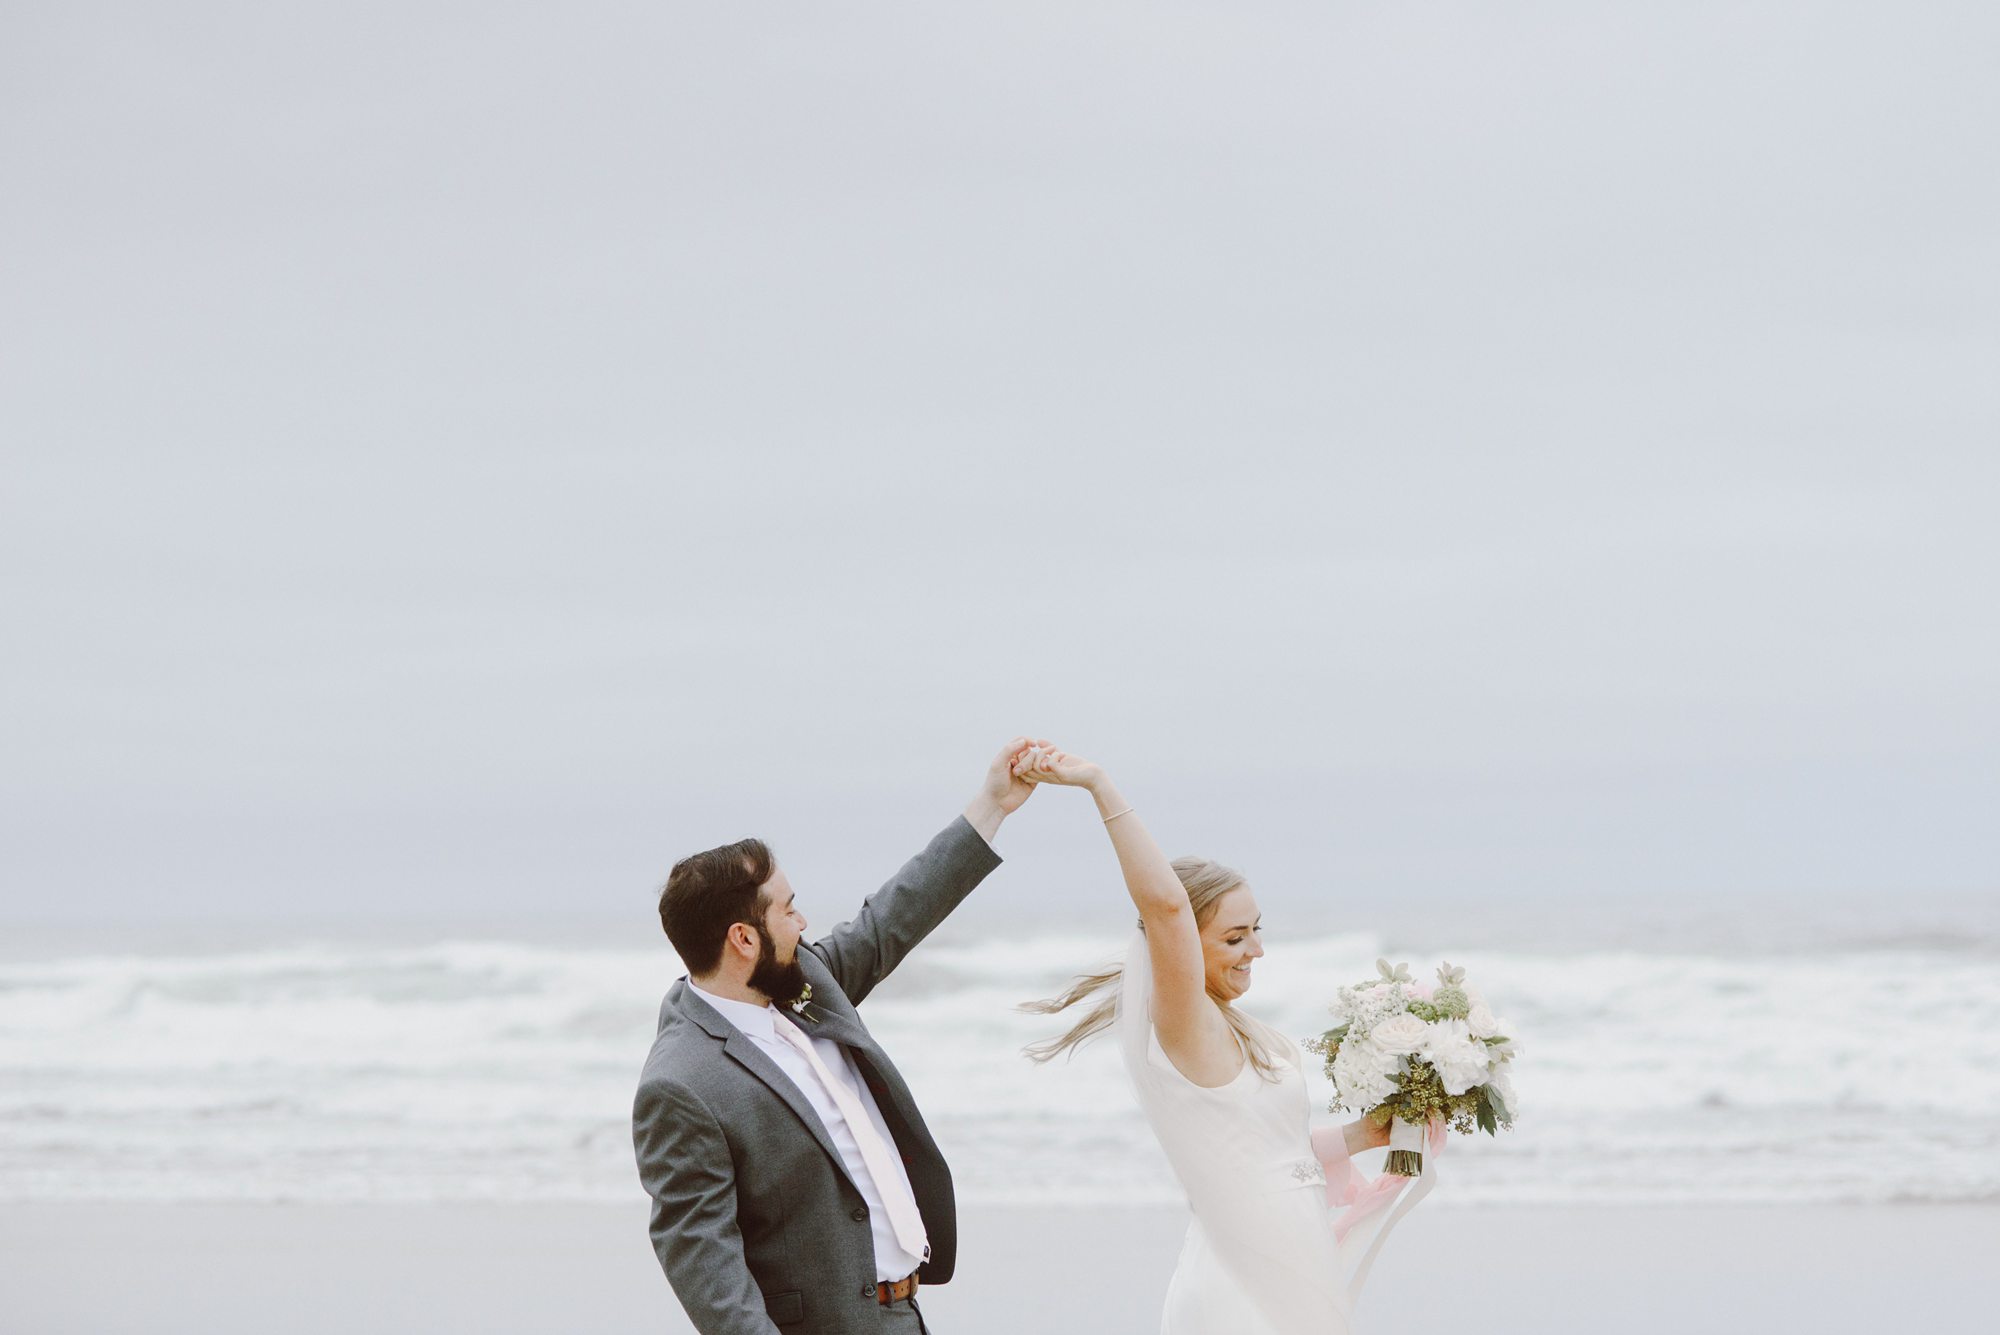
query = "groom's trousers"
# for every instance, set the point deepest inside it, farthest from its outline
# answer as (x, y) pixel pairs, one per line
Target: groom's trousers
(904, 1318)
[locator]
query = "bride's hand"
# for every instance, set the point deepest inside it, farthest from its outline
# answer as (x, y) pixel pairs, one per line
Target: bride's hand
(1048, 764)
(1369, 1131)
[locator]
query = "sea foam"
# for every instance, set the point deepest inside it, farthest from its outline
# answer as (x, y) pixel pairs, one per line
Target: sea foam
(495, 1070)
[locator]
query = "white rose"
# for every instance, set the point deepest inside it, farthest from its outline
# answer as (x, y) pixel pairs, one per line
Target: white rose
(1364, 1074)
(1480, 1021)
(1401, 1034)
(1461, 1063)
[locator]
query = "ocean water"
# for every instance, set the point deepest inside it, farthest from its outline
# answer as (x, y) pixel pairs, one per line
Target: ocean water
(1857, 1069)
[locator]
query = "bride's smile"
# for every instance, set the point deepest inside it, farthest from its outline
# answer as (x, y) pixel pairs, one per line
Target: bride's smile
(1231, 941)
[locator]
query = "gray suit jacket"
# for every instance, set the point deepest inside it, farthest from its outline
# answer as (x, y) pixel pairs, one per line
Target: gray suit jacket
(754, 1217)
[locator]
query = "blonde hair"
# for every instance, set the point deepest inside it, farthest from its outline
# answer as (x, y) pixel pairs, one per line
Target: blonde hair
(1206, 883)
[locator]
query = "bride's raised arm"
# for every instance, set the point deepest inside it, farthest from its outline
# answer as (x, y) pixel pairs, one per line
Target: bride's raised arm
(1192, 1031)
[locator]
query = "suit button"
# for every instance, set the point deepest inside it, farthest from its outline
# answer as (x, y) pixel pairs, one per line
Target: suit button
(860, 1213)
(868, 1292)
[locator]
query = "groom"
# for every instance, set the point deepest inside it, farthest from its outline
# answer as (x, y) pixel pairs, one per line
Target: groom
(795, 1186)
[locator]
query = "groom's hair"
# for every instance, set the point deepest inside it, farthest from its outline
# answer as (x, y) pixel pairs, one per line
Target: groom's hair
(708, 893)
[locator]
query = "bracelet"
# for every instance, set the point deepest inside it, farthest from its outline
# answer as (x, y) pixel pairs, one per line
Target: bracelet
(1116, 814)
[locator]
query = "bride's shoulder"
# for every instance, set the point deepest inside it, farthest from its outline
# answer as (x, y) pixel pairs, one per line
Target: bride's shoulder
(1162, 1068)
(1277, 1044)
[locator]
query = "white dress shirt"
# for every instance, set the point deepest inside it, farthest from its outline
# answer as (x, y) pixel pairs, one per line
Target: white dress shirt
(892, 1261)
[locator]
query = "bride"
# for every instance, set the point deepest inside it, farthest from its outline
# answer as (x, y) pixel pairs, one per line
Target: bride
(1224, 1093)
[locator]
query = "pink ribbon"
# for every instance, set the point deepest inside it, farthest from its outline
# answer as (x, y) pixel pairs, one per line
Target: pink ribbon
(1363, 1197)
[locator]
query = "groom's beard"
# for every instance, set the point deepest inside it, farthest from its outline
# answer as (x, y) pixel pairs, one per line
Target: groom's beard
(782, 983)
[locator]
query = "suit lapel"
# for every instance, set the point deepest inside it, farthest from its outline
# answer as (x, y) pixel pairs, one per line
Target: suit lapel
(751, 1058)
(819, 1022)
(878, 1073)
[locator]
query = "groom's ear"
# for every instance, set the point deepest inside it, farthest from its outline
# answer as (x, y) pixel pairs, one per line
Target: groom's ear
(743, 939)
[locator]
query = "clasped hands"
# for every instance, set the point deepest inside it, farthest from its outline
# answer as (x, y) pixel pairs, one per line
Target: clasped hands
(1044, 762)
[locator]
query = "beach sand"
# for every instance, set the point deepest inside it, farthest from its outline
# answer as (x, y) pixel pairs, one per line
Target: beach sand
(383, 1269)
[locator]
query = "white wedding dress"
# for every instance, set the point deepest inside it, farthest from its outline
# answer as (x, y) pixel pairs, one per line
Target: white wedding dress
(1262, 1256)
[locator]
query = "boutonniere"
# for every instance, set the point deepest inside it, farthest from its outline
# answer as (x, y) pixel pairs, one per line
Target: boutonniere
(805, 997)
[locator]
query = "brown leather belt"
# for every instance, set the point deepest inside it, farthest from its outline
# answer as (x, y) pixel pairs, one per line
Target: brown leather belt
(887, 1292)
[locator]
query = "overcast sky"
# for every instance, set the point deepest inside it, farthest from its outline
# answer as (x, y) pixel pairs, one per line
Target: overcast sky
(460, 459)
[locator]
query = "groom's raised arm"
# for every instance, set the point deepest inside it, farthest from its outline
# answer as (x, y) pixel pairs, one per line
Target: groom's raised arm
(862, 950)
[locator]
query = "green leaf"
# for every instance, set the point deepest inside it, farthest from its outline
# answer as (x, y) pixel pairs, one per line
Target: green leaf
(1482, 1109)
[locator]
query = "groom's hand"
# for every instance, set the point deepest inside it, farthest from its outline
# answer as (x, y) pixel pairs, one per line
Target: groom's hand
(1002, 792)
(1043, 763)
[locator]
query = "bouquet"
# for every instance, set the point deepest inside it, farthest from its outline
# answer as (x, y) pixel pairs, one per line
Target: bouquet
(1415, 1056)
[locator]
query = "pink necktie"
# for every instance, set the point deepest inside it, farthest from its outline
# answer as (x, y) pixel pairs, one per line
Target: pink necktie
(876, 1155)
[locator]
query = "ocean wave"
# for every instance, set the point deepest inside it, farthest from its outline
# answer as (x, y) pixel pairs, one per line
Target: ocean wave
(475, 1070)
